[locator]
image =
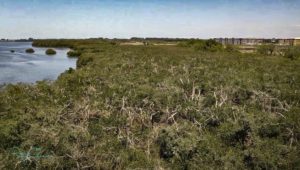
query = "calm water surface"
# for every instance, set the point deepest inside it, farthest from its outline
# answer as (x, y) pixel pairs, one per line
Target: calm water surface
(29, 68)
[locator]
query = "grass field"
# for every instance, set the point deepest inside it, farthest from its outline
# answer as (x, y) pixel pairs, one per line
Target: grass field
(155, 107)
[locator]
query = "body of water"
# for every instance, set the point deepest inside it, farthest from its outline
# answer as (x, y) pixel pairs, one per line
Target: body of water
(28, 68)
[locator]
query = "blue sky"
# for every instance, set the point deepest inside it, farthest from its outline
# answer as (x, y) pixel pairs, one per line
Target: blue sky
(149, 18)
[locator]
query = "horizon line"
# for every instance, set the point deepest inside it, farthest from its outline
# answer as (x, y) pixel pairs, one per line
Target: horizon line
(129, 38)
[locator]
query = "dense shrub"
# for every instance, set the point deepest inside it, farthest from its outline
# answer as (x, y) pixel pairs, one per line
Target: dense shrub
(292, 53)
(239, 136)
(266, 49)
(30, 50)
(165, 144)
(203, 45)
(73, 53)
(50, 51)
(210, 45)
(270, 131)
(83, 61)
(231, 48)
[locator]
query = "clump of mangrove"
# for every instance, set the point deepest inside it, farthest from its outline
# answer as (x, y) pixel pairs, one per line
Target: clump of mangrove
(73, 53)
(29, 50)
(293, 53)
(203, 45)
(50, 51)
(266, 49)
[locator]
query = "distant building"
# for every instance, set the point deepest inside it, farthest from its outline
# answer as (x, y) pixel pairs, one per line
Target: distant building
(297, 41)
(286, 41)
(254, 41)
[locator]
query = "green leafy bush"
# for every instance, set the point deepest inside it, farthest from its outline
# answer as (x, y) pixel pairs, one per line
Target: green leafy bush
(210, 45)
(50, 51)
(269, 131)
(267, 49)
(83, 61)
(73, 53)
(231, 48)
(203, 45)
(292, 53)
(29, 50)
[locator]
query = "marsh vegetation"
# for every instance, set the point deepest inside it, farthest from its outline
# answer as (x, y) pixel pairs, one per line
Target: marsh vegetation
(156, 107)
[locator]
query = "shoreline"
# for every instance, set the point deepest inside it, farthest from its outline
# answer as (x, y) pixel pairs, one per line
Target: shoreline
(36, 67)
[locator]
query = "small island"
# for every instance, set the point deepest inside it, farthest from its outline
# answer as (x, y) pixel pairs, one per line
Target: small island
(12, 51)
(30, 50)
(50, 52)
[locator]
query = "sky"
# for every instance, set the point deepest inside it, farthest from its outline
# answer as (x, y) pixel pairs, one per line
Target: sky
(149, 18)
